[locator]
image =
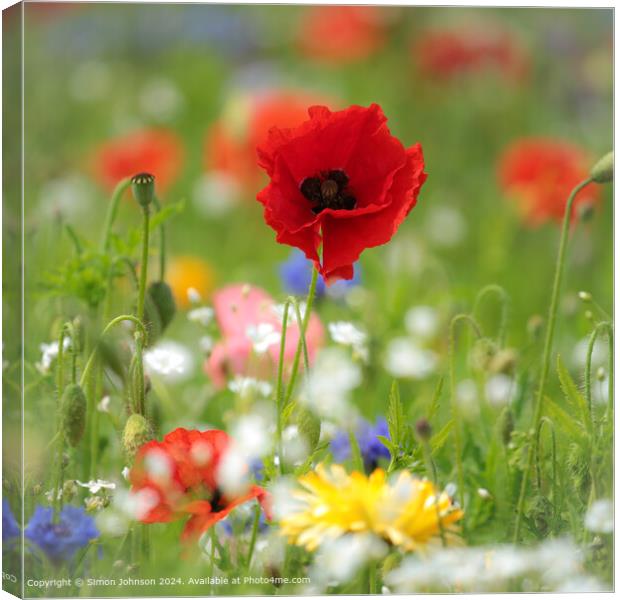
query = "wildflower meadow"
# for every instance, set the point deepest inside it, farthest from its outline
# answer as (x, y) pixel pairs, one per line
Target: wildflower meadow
(316, 300)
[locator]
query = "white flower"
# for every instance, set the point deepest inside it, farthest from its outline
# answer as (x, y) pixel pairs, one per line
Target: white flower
(295, 448)
(48, 353)
(500, 389)
(95, 486)
(193, 295)
(263, 336)
(600, 517)
(161, 99)
(404, 358)
(600, 355)
(104, 404)
(70, 196)
(125, 473)
(484, 494)
(216, 194)
(467, 396)
(249, 386)
(232, 472)
(170, 360)
(445, 226)
(203, 315)
(251, 436)
(347, 334)
(422, 322)
(206, 344)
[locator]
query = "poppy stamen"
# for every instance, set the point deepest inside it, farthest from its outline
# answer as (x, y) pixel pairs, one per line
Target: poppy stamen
(328, 190)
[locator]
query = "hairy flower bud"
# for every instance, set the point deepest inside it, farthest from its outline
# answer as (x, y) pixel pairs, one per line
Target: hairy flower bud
(162, 297)
(73, 413)
(136, 433)
(603, 170)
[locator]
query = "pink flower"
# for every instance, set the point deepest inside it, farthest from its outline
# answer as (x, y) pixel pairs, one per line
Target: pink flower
(251, 325)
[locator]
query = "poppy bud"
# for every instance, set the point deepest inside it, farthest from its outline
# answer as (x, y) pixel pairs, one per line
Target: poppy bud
(73, 413)
(482, 353)
(504, 361)
(423, 429)
(603, 170)
(143, 188)
(162, 297)
(136, 433)
(309, 426)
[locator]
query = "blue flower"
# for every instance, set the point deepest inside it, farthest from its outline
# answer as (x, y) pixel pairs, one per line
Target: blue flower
(61, 540)
(371, 447)
(10, 528)
(296, 273)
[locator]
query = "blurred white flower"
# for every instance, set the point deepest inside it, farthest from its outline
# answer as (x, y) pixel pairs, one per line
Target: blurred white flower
(206, 344)
(111, 522)
(263, 336)
(500, 390)
(347, 334)
(404, 358)
(467, 396)
(48, 353)
(216, 194)
(91, 80)
(600, 355)
(125, 473)
(161, 99)
(158, 465)
(251, 436)
(291, 318)
(135, 505)
(104, 404)
(294, 447)
(193, 296)
(95, 486)
(249, 387)
(327, 389)
(422, 322)
(203, 315)
(284, 501)
(170, 360)
(600, 517)
(445, 226)
(69, 196)
(232, 475)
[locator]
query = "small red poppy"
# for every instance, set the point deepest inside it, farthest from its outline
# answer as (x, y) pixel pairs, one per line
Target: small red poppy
(540, 173)
(341, 34)
(180, 473)
(156, 151)
(341, 181)
(447, 53)
(231, 149)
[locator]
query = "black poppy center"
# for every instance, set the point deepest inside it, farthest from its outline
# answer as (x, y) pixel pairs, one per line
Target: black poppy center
(328, 190)
(218, 502)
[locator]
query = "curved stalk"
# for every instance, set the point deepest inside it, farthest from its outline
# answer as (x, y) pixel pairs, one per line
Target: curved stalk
(504, 298)
(120, 189)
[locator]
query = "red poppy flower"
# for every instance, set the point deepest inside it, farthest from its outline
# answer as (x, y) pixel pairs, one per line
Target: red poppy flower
(341, 181)
(540, 174)
(181, 475)
(158, 152)
(341, 33)
(230, 145)
(447, 53)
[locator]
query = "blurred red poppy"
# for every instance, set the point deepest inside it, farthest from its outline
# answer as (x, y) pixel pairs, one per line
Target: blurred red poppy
(178, 477)
(341, 181)
(155, 151)
(341, 34)
(447, 53)
(540, 173)
(230, 144)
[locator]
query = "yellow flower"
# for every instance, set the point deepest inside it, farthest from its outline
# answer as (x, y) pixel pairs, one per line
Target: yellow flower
(406, 512)
(187, 273)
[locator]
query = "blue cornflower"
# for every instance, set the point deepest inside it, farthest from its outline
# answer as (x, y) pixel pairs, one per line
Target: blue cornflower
(296, 273)
(61, 540)
(248, 522)
(371, 447)
(10, 528)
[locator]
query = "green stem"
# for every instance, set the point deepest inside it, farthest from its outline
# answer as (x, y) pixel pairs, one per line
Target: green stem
(302, 335)
(60, 384)
(431, 469)
(372, 578)
(112, 323)
(588, 370)
(120, 189)
(144, 263)
(546, 361)
(505, 308)
(162, 243)
(280, 393)
(255, 523)
(456, 419)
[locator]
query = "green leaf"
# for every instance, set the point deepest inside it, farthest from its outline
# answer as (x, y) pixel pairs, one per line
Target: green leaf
(572, 393)
(358, 462)
(432, 411)
(439, 439)
(395, 415)
(572, 427)
(166, 213)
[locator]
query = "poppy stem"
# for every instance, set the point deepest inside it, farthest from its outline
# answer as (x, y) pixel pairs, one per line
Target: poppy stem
(120, 189)
(600, 327)
(546, 361)
(60, 384)
(504, 300)
(456, 418)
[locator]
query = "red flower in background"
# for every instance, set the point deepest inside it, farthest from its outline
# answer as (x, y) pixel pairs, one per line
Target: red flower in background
(230, 145)
(448, 53)
(341, 33)
(155, 151)
(341, 181)
(180, 476)
(540, 174)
